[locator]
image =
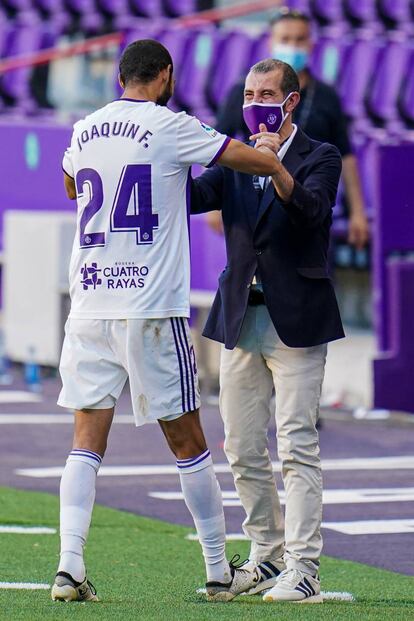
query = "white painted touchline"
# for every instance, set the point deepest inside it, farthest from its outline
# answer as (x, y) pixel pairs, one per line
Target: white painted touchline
(342, 596)
(358, 527)
(330, 496)
(372, 527)
(53, 419)
(30, 586)
(27, 530)
(19, 396)
(399, 462)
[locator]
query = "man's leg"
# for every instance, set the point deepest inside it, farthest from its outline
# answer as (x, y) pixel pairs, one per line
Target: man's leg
(201, 490)
(246, 389)
(298, 375)
(77, 487)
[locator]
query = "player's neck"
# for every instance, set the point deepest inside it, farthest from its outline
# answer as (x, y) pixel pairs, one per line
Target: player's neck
(141, 93)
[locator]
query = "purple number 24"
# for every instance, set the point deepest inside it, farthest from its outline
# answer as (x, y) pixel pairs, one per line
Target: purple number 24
(133, 194)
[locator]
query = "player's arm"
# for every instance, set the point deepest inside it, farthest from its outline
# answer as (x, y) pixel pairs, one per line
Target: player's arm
(243, 158)
(207, 191)
(70, 187)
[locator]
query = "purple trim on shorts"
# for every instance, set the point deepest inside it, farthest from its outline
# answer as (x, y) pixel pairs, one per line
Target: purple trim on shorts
(180, 365)
(181, 320)
(197, 461)
(187, 369)
(86, 453)
(220, 151)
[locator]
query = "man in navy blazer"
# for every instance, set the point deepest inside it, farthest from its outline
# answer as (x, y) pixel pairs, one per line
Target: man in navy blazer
(275, 311)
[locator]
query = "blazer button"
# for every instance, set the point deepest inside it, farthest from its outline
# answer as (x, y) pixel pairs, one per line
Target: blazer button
(259, 252)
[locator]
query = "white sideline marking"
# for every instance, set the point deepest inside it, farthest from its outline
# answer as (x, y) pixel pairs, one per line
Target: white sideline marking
(330, 496)
(399, 462)
(357, 527)
(19, 396)
(52, 419)
(27, 530)
(31, 586)
(332, 595)
(372, 527)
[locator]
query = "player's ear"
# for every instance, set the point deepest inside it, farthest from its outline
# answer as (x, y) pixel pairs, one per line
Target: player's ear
(120, 80)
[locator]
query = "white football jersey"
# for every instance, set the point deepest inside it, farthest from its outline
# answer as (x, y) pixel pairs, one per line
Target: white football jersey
(131, 164)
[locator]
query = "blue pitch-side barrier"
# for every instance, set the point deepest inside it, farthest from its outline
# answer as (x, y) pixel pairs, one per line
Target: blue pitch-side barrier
(31, 177)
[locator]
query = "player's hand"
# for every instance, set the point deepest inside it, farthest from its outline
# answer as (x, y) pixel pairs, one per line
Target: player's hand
(358, 230)
(215, 221)
(267, 139)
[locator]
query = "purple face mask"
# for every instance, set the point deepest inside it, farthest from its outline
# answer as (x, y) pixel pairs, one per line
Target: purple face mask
(271, 114)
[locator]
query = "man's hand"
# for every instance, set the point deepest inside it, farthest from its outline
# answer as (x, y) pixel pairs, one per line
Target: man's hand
(267, 139)
(358, 231)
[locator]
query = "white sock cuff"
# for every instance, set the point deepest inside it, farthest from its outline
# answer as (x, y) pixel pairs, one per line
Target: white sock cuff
(194, 464)
(85, 456)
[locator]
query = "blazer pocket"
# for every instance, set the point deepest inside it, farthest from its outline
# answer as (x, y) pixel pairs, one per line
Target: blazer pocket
(313, 272)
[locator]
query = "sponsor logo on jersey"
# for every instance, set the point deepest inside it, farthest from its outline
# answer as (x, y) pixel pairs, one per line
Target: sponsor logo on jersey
(120, 275)
(210, 130)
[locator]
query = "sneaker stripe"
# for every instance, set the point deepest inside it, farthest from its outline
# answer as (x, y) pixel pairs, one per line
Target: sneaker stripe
(271, 567)
(302, 590)
(307, 587)
(308, 584)
(266, 573)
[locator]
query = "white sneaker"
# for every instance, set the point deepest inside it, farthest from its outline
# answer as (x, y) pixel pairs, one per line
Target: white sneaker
(295, 586)
(269, 571)
(66, 589)
(244, 577)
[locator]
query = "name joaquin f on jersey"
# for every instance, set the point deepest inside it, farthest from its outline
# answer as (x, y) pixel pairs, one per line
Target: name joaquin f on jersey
(131, 163)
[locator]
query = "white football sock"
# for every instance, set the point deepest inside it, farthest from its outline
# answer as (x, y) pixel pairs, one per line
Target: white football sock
(202, 496)
(77, 495)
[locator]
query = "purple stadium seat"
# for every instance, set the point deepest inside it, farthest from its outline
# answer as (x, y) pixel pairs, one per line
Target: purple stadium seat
(48, 7)
(327, 57)
(80, 7)
(146, 8)
(406, 98)
(230, 62)
(394, 13)
(358, 65)
(23, 38)
(174, 8)
(16, 6)
(299, 5)
(112, 7)
(326, 13)
(360, 12)
(386, 81)
(190, 91)
(260, 49)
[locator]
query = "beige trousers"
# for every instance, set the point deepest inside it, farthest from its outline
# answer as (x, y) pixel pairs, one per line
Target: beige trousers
(248, 374)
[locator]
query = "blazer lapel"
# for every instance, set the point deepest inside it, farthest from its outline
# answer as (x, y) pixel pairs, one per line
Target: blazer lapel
(292, 160)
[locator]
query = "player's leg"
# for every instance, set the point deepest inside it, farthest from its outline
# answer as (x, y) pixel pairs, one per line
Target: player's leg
(201, 490)
(92, 380)
(203, 498)
(77, 486)
(164, 386)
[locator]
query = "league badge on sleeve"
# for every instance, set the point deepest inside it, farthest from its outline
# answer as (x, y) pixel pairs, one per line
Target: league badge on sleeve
(210, 130)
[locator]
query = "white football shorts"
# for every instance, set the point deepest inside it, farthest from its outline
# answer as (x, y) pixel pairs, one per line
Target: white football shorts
(156, 355)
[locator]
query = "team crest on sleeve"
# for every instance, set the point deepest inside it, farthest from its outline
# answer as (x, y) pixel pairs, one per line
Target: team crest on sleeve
(210, 130)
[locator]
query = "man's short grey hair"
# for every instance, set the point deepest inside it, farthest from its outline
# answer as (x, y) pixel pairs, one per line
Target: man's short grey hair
(290, 80)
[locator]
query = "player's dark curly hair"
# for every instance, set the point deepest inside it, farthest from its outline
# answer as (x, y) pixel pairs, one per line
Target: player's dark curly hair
(143, 60)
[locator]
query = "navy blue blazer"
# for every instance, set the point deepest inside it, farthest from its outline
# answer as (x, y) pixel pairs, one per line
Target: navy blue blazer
(286, 242)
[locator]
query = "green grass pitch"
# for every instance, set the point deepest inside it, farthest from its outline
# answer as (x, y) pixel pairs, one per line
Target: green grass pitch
(146, 569)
